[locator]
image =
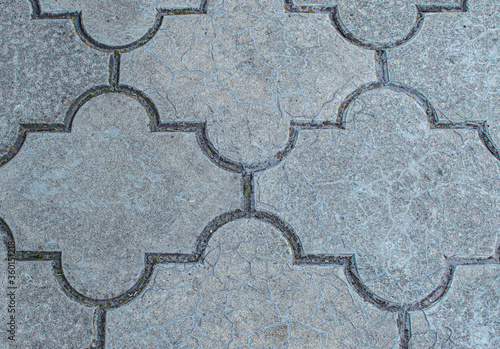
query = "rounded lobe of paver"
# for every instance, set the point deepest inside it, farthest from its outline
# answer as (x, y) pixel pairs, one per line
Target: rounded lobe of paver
(45, 316)
(110, 191)
(455, 62)
(44, 68)
(247, 69)
(379, 21)
(468, 316)
(248, 294)
(392, 191)
(113, 22)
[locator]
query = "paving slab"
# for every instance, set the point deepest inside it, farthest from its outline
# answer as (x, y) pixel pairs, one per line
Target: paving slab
(250, 174)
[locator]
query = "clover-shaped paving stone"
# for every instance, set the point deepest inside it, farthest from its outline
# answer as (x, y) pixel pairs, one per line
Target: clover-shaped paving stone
(247, 293)
(110, 191)
(400, 196)
(247, 68)
(43, 66)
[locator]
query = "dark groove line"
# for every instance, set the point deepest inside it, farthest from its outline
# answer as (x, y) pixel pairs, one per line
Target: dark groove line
(209, 150)
(323, 259)
(225, 163)
(344, 106)
(338, 24)
(75, 106)
(404, 329)
(351, 273)
(212, 227)
(424, 103)
(99, 329)
(247, 186)
(286, 230)
(342, 29)
(349, 36)
(444, 8)
(432, 117)
(381, 66)
(248, 204)
(437, 294)
(279, 156)
(91, 42)
(323, 125)
(382, 72)
(109, 303)
(114, 69)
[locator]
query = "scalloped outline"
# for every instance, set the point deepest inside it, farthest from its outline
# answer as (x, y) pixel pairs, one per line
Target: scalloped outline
(338, 24)
(76, 16)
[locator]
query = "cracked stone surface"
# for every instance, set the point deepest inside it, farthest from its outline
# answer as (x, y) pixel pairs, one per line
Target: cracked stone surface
(459, 58)
(389, 180)
(249, 174)
(247, 69)
(248, 294)
(110, 191)
(45, 317)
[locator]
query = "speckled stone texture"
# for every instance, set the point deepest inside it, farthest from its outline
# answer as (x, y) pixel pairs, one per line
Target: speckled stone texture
(249, 174)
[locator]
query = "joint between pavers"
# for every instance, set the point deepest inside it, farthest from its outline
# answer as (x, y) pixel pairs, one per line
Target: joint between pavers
(404, 329)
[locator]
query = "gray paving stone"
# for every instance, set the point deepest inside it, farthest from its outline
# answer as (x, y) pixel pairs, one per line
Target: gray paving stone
(248, 294)
(44, 316)
(247, 69)
(389, 181)
(110, 191)
(455, 60)
(250, 174)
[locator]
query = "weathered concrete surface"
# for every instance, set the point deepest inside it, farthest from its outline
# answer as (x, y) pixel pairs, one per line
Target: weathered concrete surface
(249, 174)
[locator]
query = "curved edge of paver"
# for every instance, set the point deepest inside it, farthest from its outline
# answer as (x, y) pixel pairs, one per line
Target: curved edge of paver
(66, 127)
(338, 24)
(230, 165)
(101, 305)
(298, 258)
(384, 82)
(76, 16)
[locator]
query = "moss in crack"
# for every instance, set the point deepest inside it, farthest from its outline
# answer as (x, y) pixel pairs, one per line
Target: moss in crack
(246, 190)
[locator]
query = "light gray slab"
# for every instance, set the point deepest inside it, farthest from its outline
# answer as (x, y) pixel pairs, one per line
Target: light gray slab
(454, 61)
(247, 69)
(391, 190)
(467, 318)
(45, 317)
(110, 191)
(248, 294)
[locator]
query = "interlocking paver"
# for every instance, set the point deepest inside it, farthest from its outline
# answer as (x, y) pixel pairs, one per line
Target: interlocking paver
(455, 60)
(391, 182)
(248, 70)
(110, 191)
(249, 174)
(247, 293)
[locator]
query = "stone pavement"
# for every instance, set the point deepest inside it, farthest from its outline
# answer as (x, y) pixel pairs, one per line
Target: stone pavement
(250, 174)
